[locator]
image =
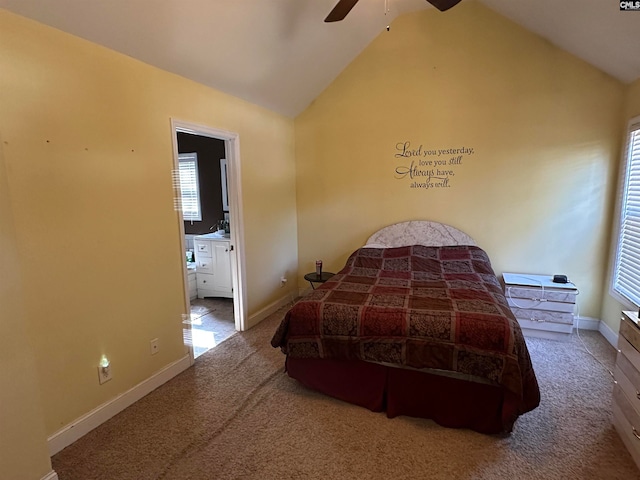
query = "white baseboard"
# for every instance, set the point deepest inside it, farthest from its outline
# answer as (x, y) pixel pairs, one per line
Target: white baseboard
(260, 315)
(608, 333)
(587, 323)
(87, 422)
(52, 475)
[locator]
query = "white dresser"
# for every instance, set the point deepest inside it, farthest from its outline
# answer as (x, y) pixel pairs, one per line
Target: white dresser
(543, 308)
(213, 266)
(626, 391)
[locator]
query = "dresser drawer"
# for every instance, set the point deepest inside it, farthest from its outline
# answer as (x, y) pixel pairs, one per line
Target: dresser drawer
(204, 265)
(203, 249)
(537, 293)
(630, 332)
(205, 282)
(629, 389)
(561, 328)
(627, 373)
(537, 304)
(627, 423)
(542, 315)
(631, 354)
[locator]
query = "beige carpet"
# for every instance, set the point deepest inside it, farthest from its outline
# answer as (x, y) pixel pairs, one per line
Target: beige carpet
(236, 415)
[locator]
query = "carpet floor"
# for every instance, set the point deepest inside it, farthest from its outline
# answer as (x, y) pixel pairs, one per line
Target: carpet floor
(236, 415)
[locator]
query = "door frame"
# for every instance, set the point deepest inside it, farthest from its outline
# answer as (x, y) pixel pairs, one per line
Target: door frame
(236, 216)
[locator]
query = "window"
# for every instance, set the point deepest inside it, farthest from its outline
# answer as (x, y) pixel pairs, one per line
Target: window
(626, 274)
(189, 187)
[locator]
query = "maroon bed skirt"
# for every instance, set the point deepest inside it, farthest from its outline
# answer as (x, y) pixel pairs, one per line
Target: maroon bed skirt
(450, 402)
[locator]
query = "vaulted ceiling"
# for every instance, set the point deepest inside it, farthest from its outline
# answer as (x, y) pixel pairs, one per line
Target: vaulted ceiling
(281, 55)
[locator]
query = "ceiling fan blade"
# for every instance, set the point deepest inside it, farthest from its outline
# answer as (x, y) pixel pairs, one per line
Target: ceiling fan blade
(442, 5)
(342, 8)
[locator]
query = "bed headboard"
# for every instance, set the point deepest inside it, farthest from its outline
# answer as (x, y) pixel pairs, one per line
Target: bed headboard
(430, 234)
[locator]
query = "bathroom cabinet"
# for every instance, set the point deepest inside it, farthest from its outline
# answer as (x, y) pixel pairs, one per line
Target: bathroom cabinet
(213, 266)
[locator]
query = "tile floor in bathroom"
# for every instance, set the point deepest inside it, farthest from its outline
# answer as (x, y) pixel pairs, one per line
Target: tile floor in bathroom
(212, 322)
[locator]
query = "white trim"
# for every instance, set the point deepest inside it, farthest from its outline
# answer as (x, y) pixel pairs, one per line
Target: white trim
(268, 310)
(52, 475)
(586, 323)
(624, 302)
(224, 180)
(186, 306)
(87, 422)
(236, 219)
(236, 215)
(608, 333)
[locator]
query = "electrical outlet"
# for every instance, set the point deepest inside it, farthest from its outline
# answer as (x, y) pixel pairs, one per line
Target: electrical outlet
(283, 281)
(155, 347)
(104, 374)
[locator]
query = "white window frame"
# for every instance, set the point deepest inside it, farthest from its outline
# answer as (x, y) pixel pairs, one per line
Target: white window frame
(625, 280)
(189, 187)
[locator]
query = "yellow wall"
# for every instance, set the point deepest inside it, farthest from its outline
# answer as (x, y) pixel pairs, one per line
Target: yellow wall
(611, 307)
(543, 126)
(632, 103)
(23, 448)
(88, 149)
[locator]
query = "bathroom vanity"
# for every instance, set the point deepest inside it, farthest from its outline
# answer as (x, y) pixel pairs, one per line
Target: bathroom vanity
(213, 265)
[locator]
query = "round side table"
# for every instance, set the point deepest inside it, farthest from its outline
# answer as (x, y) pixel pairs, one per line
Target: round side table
(314, 278)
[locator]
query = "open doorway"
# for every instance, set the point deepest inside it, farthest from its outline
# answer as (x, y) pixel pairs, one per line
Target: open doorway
(207, 182)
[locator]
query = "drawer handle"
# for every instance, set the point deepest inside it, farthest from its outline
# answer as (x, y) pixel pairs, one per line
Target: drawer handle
(635, 433)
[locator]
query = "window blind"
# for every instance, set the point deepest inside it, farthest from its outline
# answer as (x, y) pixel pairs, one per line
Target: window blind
(189, 186)
(626, 279)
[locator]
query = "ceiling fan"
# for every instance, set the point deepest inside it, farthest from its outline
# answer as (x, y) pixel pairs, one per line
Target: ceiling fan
(343, 7)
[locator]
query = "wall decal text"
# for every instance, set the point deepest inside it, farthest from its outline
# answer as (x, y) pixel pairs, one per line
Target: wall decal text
(429, 168)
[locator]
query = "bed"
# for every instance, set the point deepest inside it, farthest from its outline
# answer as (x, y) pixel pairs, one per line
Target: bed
(417, 324)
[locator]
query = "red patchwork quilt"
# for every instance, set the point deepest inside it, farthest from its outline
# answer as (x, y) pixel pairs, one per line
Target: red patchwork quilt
(418, 307)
